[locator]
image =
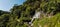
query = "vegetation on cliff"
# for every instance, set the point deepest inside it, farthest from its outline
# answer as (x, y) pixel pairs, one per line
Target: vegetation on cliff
(21, 15)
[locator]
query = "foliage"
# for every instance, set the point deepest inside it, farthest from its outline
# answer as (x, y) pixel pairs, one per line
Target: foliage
(48, 22)
(21, 15)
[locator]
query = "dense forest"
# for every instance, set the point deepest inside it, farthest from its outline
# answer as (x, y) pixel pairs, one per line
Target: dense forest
(21, 15)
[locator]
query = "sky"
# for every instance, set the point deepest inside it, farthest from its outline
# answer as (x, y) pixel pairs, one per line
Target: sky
(6, 5)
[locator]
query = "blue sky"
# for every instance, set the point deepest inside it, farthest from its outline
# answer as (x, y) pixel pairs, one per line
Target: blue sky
(6, 5)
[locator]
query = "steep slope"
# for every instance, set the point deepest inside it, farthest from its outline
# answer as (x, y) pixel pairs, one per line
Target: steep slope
(42, 13)
(30, 7)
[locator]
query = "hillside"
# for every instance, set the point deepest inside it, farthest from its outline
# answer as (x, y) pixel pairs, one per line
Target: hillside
(41, 13)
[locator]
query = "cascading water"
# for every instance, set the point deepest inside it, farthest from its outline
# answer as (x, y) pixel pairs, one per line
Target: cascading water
(37, 15)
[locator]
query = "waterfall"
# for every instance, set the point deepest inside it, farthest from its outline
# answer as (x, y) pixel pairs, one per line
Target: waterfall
(37, 15)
